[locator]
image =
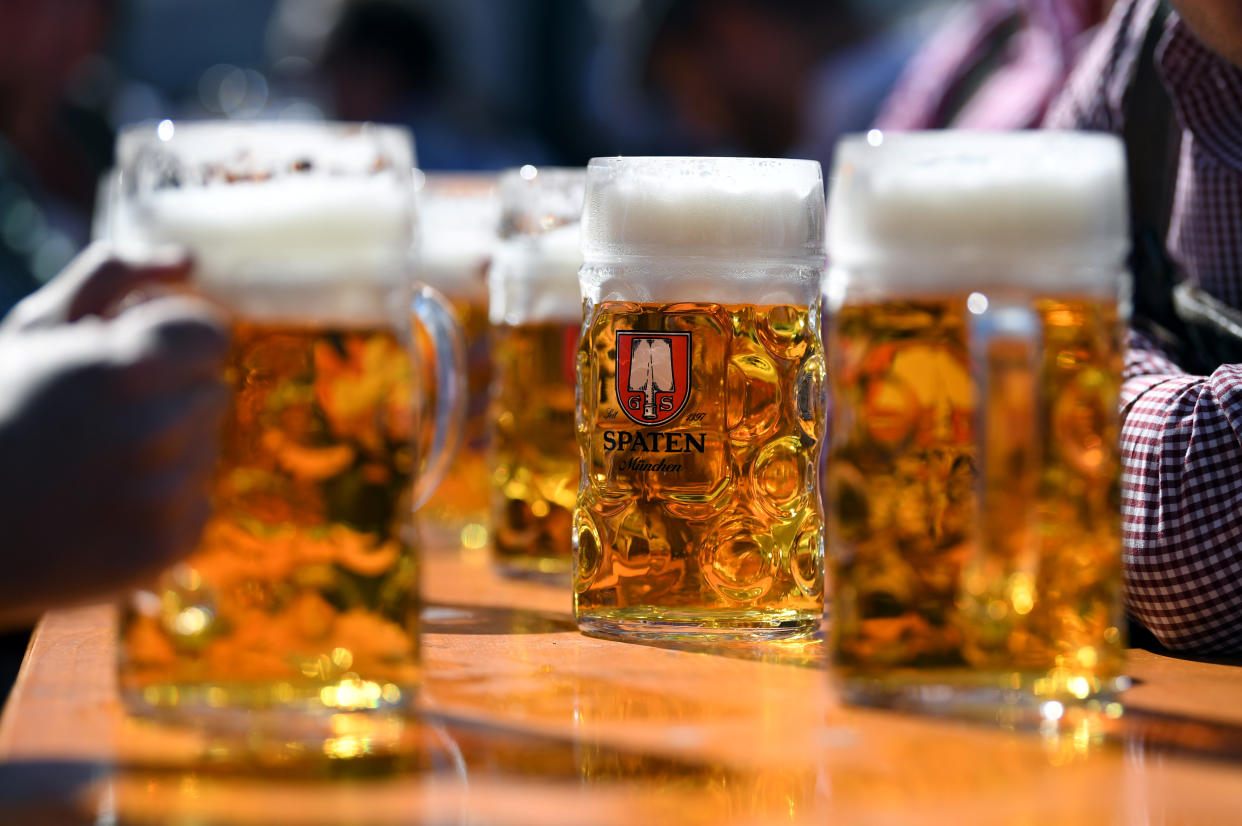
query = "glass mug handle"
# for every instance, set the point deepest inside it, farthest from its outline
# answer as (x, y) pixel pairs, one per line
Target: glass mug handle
(999, 585)
(448, 352)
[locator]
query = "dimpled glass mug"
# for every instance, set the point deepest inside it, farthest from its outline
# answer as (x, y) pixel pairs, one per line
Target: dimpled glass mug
(700, 381)
(296, 617)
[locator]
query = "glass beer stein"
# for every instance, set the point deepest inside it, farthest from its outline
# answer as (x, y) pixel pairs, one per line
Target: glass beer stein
(536, 317)
(458, 217)
(700, 382)
(296, 618)
(975, 341)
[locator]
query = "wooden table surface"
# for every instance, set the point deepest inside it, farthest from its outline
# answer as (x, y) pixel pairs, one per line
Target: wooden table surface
(526, 721)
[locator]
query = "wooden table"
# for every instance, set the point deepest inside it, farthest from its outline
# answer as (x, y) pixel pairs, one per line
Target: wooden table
(527, 721)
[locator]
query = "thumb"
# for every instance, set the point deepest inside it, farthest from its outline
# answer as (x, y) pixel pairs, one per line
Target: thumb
(94, 281)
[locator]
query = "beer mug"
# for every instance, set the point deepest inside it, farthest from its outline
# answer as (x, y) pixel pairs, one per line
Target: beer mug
(297, 616)
(458, 215)
(701, 379)
(536, 317)
(975, 340)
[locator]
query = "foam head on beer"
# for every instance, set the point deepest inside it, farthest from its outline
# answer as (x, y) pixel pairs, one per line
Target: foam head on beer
(956, 209)
(534, 279)
(719, 228)
(289, 222)
(458, 215)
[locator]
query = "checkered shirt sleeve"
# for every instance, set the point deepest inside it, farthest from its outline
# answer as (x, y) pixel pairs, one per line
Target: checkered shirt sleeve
(1181, 434)
(1181, 451)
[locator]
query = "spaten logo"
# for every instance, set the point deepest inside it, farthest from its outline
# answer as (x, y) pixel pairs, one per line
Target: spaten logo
(653, 375)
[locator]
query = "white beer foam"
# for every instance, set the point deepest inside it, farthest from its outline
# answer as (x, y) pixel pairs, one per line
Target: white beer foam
(455, 264)
(330, 249)
(952, 210)
(534, 279)
(297, 222)
(727, 230)
(457, 237)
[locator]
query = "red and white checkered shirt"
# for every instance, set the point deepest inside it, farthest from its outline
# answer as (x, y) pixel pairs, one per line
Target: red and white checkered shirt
(1181, 434)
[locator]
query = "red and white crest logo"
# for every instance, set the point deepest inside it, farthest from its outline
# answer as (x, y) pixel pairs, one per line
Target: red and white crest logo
(653, 375)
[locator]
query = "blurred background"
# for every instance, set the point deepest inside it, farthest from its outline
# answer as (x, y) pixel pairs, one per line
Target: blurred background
(484, 84)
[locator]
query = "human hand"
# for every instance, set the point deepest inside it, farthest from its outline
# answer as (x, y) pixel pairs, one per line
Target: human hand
(95, 283)
(108, 432)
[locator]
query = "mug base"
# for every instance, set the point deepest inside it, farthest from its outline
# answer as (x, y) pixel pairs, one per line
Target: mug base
(244, 723)
(647, 623)
(1011, 699)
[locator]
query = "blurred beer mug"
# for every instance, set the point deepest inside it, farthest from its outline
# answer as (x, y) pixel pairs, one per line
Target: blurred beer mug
(458, 218)
(107, 189)
(701, 379)
(536, 319)
(975, 342)
(297, 615)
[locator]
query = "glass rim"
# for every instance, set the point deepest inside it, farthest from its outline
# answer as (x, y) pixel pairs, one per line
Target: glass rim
(540, 172)
(638, 162)
(180, 125)
(135, 137)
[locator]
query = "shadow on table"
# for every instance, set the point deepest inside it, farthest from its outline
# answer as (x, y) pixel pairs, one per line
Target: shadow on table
(1161, 733)
(447, 618)
(46, 792)
(457, 770)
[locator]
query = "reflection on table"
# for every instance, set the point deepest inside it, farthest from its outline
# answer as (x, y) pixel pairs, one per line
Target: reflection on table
(524, 720)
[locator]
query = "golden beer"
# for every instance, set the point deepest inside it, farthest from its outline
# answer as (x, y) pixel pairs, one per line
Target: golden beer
(535, 453)
(303, 590)
(456, 511)
(913, 588)
(712, 518)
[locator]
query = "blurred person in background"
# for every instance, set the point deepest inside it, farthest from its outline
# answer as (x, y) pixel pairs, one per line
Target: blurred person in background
(773, 77)
(52, 149)
(993, 64)
(384, 61)
(1167, 77)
